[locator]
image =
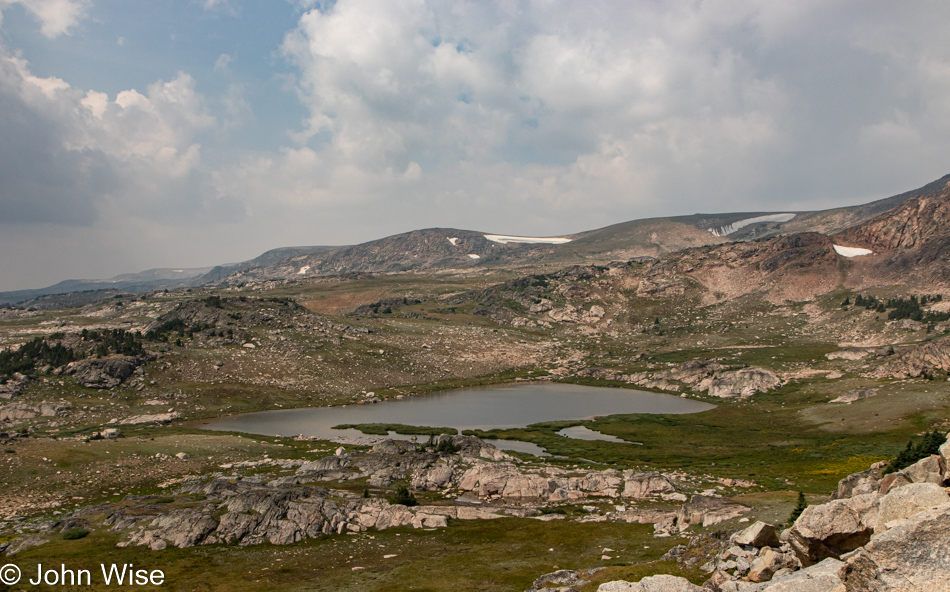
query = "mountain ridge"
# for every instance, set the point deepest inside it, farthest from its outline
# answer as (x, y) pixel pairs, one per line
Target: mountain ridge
(437, 248)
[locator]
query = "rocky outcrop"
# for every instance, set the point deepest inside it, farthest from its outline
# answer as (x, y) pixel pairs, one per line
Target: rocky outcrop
(103, 373)
(658, 583)
(644, 485)
(14, 385)
(709, 376)
(740, 383)
(919, 360)
(152, 418)
(912, 225)
(20, 411)
(709, 510)
(249, 514)
(508, 481)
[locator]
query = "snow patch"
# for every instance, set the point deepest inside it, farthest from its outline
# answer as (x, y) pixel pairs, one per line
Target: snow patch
(454, 240)
(851, 251)
(550, 240)
(474, 256)
(304, 270)
(730, 228)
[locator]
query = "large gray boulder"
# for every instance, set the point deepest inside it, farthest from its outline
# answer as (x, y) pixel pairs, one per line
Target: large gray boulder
(833, 528)
(658, 583)
(913, 555)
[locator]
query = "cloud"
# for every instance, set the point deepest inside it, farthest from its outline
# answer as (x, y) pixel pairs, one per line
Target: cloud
(519, 118)
(69, 154)
(221, 64)
(56, 17)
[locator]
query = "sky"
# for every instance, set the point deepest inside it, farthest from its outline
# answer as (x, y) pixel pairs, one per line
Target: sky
(188, 133)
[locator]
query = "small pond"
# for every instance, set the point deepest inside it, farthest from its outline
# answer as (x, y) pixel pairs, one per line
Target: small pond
(501, 407)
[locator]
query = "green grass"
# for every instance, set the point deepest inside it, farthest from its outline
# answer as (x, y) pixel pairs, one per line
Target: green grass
(383, 429)
(481, 555)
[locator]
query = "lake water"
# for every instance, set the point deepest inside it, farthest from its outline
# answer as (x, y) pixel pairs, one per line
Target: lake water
(502, 407)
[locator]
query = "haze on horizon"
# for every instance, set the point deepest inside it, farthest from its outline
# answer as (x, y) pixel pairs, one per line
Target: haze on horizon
(194, 132)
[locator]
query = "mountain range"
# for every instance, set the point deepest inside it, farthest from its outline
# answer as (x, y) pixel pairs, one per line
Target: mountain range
(911, 220)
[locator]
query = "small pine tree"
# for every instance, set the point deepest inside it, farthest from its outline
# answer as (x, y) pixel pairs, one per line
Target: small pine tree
(799, 508)
(366, 494)
(847, 302)
(404, 497)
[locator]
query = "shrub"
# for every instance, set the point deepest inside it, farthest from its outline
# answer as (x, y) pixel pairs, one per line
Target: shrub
(404, 497)
(76, 532)
(930, 444)
(446, 446)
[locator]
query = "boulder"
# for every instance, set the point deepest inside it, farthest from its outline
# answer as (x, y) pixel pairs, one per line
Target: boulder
(759, 534)
(765, 565)
(642, 485)
(103, 373)
(944, 451)
(912, 555)
(908, 500)
(822, 577)
(893, 481)
(927, 470)
(858, 484)
(658, 583)
(831, 529)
